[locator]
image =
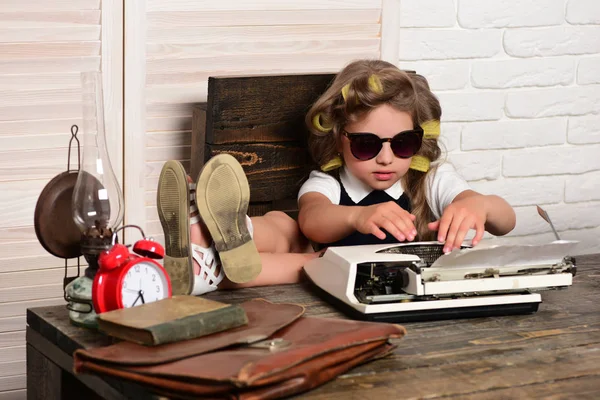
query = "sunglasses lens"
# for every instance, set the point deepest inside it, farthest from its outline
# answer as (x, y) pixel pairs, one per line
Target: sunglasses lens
(406, 145)
(365, 147)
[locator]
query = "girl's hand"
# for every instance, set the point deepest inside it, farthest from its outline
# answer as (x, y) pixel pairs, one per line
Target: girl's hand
(389, 216)
(466, 213)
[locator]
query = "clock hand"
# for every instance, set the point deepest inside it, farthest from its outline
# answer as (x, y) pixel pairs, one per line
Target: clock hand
(142, 296)
(136, 299)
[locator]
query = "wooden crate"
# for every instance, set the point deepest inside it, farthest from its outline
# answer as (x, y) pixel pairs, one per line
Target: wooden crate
(260, 121)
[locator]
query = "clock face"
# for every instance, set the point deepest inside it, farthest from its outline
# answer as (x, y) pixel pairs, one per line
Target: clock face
(143, 283)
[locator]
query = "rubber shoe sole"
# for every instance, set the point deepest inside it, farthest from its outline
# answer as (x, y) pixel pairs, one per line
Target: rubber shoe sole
(222, 197)
(173, 203)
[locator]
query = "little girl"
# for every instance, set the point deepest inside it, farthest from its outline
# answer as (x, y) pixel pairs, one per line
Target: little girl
(374, 132)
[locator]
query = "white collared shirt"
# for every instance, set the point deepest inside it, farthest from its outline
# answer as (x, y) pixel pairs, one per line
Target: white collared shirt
(442, 187)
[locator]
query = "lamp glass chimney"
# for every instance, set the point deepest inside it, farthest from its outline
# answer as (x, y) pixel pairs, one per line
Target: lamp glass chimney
(97, 197)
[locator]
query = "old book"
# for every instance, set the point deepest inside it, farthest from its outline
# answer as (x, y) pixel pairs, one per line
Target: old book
(171, 320)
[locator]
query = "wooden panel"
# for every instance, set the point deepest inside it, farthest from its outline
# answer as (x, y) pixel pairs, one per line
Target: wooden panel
(50, 65)
(155, 229)
(48, 19)
(165, 124)
(274, 171)
(12, 309)
(41, 97)
(61, 110)
(44, 377)
(134, 111)
(18, 199)
(255, 65)
(11, 339)
(191, 5)
(32, 142)
(230, 34)
(17, 249)
(178, 19)
(31, 292)
(50, 34)
(19, 394)
(168, 153)
(37, 262)
(12, 382)
(203, 50)
(9, 354)
(39, 50)
(12, 324)
(169, 138)
(32, 165)
(39, 126)
(41, 81)
(162, 109)
(198, 139)
(33, 278)
(52, 6)
(12, 368)
(258, 109)
(9, 235)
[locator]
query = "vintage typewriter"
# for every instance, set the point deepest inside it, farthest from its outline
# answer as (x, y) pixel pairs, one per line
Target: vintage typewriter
(416, 281)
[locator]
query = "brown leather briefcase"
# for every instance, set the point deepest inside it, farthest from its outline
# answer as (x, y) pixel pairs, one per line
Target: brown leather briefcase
(279, 353)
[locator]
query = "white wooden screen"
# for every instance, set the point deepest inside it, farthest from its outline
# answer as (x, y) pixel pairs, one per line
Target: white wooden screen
(186, 41)
(44, 45)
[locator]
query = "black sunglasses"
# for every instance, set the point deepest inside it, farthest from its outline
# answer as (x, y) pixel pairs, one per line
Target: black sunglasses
(365, 146)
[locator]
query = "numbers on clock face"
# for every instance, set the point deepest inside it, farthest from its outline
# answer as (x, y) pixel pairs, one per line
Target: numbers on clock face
(143, 283)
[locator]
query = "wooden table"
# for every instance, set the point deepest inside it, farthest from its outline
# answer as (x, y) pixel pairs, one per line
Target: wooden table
(552, 353)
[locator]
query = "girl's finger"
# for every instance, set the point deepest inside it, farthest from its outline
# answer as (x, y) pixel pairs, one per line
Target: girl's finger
(443, 226)
(405, 223)
(393, 229)
(479, 231)
(452, 232)
(434, 226)
(463, 229)
(377, 232)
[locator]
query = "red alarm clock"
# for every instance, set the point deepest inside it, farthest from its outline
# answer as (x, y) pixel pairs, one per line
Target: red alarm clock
(126, 280)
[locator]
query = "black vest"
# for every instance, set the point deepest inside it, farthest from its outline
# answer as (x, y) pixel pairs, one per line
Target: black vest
(375, 197)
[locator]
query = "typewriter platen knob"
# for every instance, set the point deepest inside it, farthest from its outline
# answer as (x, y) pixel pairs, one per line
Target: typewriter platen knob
(401, 281)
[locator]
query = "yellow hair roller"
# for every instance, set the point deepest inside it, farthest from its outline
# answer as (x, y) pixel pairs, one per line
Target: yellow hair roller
(345, 90)
(431, 129)
(419, 163)
(317, 124)
(334, 163)
(375, 84)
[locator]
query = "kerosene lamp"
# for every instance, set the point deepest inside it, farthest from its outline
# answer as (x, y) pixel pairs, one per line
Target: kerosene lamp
(97, 202)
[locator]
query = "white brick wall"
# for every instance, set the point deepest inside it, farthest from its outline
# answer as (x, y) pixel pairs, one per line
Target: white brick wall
(519, 83)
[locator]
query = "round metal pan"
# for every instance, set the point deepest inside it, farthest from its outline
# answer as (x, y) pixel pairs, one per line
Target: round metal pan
(53, 217)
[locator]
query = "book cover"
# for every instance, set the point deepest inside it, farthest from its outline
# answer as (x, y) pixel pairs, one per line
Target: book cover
(171, 320)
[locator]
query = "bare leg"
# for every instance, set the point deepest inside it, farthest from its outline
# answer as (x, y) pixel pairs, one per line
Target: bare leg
(277, 268)
(277, 232)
